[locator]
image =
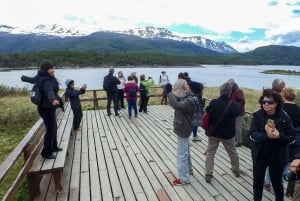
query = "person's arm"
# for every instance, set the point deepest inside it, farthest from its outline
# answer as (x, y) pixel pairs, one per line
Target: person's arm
(257, 132)
(31, 80)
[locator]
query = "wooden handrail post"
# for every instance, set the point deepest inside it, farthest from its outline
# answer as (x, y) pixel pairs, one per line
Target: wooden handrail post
(96, 107)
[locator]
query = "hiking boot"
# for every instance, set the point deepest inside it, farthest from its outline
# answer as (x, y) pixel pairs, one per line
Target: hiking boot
(197, 138)
(178, 182)
(238, 144)
(208, 178)
(237, 173)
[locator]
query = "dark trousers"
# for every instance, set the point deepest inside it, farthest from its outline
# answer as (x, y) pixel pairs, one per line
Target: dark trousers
(275, 170)
(144, 103)
(121, 98)
(77, 112)
(112, 97)
(50, 139)
(164, 99)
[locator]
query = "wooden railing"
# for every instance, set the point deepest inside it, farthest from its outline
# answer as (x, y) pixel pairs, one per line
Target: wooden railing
(29, 147)
(97, 95)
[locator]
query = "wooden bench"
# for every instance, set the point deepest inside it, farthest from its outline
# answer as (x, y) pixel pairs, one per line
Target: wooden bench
(41, 166)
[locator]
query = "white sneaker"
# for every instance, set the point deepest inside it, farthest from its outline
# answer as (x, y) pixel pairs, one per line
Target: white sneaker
(197, 138)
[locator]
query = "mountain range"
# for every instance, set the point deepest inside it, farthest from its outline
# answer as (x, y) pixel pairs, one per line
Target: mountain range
(130, 47)
(147, 40)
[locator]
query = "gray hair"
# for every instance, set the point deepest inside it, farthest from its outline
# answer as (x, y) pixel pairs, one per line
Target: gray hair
(277, 82)
(225, 89)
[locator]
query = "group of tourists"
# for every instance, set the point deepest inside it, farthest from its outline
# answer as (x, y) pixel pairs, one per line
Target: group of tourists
(274, 131)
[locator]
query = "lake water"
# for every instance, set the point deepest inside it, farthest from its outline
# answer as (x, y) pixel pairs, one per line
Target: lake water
(209, 75)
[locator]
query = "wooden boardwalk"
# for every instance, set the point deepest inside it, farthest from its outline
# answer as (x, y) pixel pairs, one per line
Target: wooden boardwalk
(117, 159)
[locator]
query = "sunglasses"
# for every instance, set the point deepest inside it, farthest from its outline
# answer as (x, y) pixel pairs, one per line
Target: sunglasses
(270, 102)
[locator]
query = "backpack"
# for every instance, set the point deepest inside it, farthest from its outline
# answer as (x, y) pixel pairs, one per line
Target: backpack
(132, 91)
(143, 90)
(106, 83)
(35, 94)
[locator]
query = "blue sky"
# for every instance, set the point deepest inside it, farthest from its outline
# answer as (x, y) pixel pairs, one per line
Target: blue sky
(243, 24)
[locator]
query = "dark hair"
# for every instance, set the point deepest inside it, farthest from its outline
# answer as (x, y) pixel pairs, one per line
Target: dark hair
(270, 93)
(181, 75)
(142, 77)
(130, 77)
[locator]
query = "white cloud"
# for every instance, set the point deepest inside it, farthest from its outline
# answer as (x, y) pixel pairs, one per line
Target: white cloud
(221, 17)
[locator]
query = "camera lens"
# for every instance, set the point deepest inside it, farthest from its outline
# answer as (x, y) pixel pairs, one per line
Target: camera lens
(290, 176)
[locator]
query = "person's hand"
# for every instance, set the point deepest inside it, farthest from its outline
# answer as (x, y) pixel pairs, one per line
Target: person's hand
(272, 132)
(295, 165)
(55, 102)
(23, 78)
(168, 88)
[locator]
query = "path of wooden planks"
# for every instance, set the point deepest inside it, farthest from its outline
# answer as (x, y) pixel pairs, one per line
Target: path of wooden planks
(118, 159)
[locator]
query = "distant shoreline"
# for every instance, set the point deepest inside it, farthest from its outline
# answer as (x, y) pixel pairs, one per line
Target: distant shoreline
(282, 72)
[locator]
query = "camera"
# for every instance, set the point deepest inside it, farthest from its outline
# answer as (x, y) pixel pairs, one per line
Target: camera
(290, 176)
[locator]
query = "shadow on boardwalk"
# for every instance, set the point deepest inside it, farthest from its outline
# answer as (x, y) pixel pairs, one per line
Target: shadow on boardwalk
(115, 159)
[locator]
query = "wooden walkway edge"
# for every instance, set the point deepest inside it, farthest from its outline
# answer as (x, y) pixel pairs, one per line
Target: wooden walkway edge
(118, 159)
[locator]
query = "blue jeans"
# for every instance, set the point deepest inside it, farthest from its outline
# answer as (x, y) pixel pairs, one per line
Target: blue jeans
(195, 129)
(285, 171)
(184, 162)
(132, 104)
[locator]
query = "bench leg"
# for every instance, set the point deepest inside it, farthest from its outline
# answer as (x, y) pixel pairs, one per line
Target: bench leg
(34, 186)
(57, 181)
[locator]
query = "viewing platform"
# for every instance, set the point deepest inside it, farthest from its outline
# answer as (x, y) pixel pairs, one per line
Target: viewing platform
(117, 159)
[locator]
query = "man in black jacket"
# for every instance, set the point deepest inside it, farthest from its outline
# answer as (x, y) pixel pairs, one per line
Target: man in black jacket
(112, 92)
(224, 130)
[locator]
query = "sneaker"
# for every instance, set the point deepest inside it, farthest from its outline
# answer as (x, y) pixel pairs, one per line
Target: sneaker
(135, 116)
(267, 186)
(178, 182)
(208, 178)
(197, 138)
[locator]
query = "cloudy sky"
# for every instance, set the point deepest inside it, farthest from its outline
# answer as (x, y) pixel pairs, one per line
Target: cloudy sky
(243, 24)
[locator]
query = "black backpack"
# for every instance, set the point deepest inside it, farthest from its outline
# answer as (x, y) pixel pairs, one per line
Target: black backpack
(132, 91)
(106, 83)
(143, 90)
(35, 94)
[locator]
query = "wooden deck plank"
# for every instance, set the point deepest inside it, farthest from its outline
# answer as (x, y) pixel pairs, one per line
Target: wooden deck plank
(116, 159)
(84, 169)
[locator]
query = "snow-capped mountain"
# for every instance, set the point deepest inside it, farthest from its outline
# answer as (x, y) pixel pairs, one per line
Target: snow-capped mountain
(158, 33)
(146, 33)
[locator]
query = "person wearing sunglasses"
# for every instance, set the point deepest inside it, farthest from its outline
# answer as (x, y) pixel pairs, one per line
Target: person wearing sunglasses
(271, 132)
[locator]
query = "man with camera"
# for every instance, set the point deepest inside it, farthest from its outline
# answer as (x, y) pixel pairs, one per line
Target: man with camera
(294, 167)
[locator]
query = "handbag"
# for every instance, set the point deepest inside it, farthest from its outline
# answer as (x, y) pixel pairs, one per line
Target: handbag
(210, 128)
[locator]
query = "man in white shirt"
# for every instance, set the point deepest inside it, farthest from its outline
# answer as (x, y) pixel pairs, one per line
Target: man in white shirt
(163, 80)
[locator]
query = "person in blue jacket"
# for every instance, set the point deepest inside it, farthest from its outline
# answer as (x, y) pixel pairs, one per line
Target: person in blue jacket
(73, 95)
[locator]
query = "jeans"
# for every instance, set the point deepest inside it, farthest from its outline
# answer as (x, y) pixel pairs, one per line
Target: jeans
(285, 171)
(184, 162)
(132, 104)
(195, 129)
